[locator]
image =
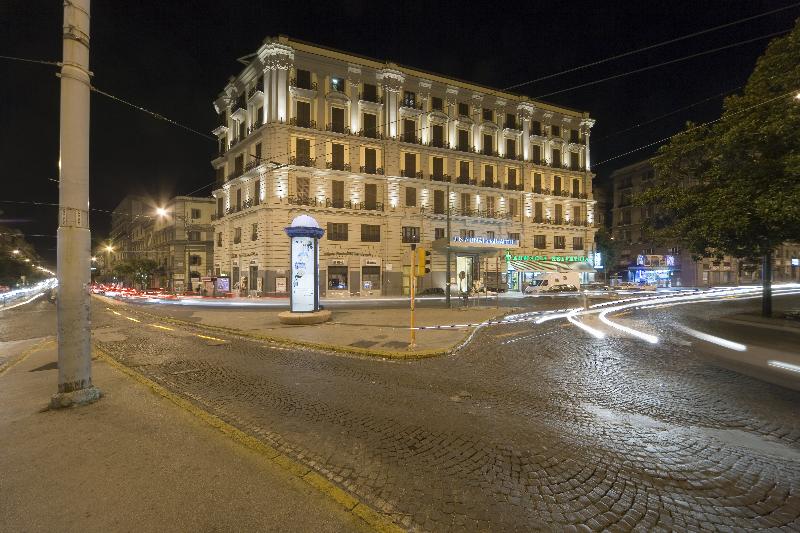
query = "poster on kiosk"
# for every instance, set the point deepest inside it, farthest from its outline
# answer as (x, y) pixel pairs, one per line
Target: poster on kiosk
(304, 234)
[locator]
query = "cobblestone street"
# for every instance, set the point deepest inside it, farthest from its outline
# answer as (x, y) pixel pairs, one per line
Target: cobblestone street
(528, 427)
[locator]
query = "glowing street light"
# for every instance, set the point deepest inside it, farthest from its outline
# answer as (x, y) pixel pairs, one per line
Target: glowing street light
(94, 258)
(15, 252)
(160, 211)
(109, 248)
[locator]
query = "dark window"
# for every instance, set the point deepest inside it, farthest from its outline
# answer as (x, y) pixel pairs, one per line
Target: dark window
(410, 234)
(370, 196)
(303, 79)
(438, 202)
(411, 165)
(238, 199)
(488, 144)
(555, 130)
(409, 131)
(370, 93)
(195, 213)
(409, 99)
(411, 197)
(238, 164)
(577, 243)
(337, 156)
(438, 233)
(257, 192)
(536, 128)
(576, 187)
(513, 236)
(219, 239)
(463, 140)
(237, 235)
(511, 121)
(511, 148)
(540, 242)
(512, 179)
(259, 116)
(537, 183)
(559, 242)
(574, 161)
(337, 191)
(463, 109)
(337, 84)
(513, 207)
(254, 232)
(488, 176)
(220, 207)
(304, 114)
(437, 135)
(220, 175)
(253, 278)
(574, 136)
(337, 119)
(438, 167)
(556, 158)
(538, 212)
(463, 169)
(556, 184)
(242, 131)
(536, 154)
(466, 203)
(370, 125)
(195, 260)
(194, 235)
(370, 160)
(370, 233)
(258, 152)
(371, 276)
(488, 114)
(303, 151)
(337, 232)
(490, 235)
(437, 104)
(559, 211)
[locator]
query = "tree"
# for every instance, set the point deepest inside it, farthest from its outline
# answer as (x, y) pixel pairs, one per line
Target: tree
(733, 187)
(609, 249)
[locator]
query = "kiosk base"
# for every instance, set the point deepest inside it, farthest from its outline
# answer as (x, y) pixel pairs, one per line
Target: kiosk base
(316, 317)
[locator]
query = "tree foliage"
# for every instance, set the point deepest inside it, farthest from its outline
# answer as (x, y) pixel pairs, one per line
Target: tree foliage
(137, 272)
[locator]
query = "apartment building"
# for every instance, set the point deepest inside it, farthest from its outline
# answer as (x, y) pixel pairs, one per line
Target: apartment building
(669, 265)
(384, 156)
(178, 235)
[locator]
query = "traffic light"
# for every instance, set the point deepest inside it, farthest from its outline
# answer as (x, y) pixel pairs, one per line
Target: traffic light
(423, 261)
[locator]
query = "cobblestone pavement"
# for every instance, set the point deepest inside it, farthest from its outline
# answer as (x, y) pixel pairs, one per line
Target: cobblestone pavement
(529, 427)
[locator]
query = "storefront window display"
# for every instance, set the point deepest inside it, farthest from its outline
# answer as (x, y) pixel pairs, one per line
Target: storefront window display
(337, 278)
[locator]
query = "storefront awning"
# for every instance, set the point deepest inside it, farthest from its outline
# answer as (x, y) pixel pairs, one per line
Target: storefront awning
(534, 266)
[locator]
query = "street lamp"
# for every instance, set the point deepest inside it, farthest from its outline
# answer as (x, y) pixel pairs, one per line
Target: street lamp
(15, 252)
(160, 211)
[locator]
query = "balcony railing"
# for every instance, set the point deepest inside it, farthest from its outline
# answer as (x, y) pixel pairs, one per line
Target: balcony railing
(465, 180)
(235, 174)
(411, 104)
(337, 128)
(253, 163)
(301, 161)
(303, 123)
(312, 86)
(515, 125)
(490, 152)
(372, 134)
(370, 98)
(541, 190)
(371, 170)
(465, 148)
(406, 174)
(337, 166)
(298, 199)
(580, 195)
(515, 157)
(514, 187)
(411, 138)
(254, 126)
(248, 203)
(441, 177)
(481, 213)
(438, 143)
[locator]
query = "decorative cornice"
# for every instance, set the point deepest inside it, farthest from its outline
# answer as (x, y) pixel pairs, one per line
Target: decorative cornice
(392, 79)
(276, 56)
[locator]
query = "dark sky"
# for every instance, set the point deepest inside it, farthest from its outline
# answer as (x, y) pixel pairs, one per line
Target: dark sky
(173, 58)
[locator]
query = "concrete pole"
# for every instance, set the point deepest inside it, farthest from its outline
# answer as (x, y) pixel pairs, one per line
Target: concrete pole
(74, 238)
(447, 251)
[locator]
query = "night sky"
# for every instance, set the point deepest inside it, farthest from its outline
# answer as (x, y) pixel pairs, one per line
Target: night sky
(174, 60)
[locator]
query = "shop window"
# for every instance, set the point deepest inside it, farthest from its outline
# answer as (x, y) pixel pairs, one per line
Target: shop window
(540, 242)
(559, 242)
(410, 233)
(371, 277)
(577, 243)
(370, 233)
(411, 197)
(337, 278)
(337, 231)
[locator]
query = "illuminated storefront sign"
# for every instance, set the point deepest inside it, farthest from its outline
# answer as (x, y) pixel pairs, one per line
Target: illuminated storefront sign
(556, 258)
(486, 240)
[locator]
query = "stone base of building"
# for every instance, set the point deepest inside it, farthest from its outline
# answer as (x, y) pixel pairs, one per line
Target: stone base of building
(78, 397)
(304, 319)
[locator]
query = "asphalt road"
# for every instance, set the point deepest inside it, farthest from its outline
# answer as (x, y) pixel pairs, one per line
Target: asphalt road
(530, 426)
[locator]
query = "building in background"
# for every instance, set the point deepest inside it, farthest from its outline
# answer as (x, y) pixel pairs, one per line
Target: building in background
(178, 236)
(382, 156)
(668, 264)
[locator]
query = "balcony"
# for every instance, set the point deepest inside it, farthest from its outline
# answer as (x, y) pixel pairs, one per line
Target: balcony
(308, 86)
(374, 98)
(541, 190)
(311, 201)
(253, 163)
(370, 133)
(489, 183)
(515, 157)
(256, 93)
(465, 180)
(514, 187)
(247, 204)
(406, 174)
(465, 148)
(537, 132)
(579, 195)
(338, 128)
(302, 161)
(441, 177)
(370, 170)
(367, 206)
(239, 109)
(489, 152)
(438, 143)
(411, 103)
(233, 175)
(515, 125)
(480, 213)
(254, 126)
(409, 137)
(303, 123)
(335, 165)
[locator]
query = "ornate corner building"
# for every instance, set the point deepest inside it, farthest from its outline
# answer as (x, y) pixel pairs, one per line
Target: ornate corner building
(385, 156)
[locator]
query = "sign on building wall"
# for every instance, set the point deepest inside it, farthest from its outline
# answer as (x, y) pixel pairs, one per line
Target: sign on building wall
(303, 267)
(280, 284)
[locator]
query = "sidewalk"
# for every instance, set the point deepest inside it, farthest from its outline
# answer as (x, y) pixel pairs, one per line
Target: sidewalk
(135, 461)
(383, 332)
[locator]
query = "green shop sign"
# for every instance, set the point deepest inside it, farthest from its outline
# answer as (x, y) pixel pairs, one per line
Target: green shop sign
(556, 258)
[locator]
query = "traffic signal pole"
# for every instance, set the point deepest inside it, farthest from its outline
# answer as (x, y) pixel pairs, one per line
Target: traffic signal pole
(412, 283)
(74, 238)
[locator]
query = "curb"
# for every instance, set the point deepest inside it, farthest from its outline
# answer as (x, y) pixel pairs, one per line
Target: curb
(337, 348)
(379, 521)
(11, 363)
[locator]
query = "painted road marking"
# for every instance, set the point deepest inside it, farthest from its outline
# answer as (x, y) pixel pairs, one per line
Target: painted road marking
(210, 338)
(162, 327)
(133, 319)
(117, 313)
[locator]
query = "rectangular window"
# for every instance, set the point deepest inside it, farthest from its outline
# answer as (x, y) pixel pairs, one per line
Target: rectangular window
(576, 188)
(556, 158)
(513, 237)
(370, 196)
(540, 242)
(238, 199)
(304, 114)
(237, 235)
(238, 164)
(487, 114)
(253, 278)
(557, 185)
(513, 207)
(463, 140)
(437, 136)
(337, 156)
(491, 202)
(411, 197)
(259, 116)
(219, 239)
(463, 169)
(536, 128)
(337, 84)
(409, 131)
(511, 148)
(254, 232)
(576, 214)
(466, 233)
(574, 136)
(410, 233)
(194, 235)
(559, 242)
(195, 213)
(438, 167)
(409, 99)
(337, 119)
(559, 210)
(466, 203)
(370, 233)
(242, 130)
(337, 192)
(337, 277)
(411, 165)
(538, 212)
(490, 235)
(371, 277)
(438, 233)
(257, 192)
(512, 179)
(574, 161)
(555, 130)
(303, 79)
(302, 187)
(370, 123)
(258, 152)
(488, 144)
(195, 260)
(220, 207)
(463, 109)
(537, 183)
(488, 176)
(370, 92)
(336, 231)
(303, 152)
(577, 243)
(437, 104)
(438, 202)
(511, 121)
(370, 160)
(536, 153)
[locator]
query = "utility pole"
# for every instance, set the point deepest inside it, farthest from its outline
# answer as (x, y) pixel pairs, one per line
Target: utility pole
(411, 285)
(447, 251)
(74, 238)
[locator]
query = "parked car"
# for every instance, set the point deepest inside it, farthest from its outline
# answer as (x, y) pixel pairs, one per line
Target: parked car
(560, 288)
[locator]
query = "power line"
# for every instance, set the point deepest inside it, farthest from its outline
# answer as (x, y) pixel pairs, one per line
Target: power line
(670, 62)
(26, 60)
(652, 46)
(696, 127)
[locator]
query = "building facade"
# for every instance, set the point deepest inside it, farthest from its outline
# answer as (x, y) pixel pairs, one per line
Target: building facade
(669, 265)
(385, 156)
(178, 236)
